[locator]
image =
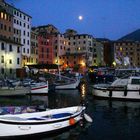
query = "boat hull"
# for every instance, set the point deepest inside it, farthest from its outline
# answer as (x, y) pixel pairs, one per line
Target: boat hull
(24, 128)
(116, 93)
(42, 89)
(67, 86)
(39, 88)
(14, 91)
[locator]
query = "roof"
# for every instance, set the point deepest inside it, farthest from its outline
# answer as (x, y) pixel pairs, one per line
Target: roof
(17, 9)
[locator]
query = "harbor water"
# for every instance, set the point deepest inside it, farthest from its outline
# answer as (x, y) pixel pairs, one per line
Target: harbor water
(112, 120)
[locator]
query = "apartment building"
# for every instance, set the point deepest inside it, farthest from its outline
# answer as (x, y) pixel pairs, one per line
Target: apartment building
(80, 44)
(10, 50)
(127, 53)
(34, 48)
(22, 31)
(98, 53)
(51, 44)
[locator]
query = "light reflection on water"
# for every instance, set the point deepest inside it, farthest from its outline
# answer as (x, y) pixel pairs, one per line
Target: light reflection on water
(112, 120)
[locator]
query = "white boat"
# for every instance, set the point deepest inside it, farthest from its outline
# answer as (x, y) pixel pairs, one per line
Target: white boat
(128, 88)
(7, 88)
(66, 83)
(23, 123)
(40, 87)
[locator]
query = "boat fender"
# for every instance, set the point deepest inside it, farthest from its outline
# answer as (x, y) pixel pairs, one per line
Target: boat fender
(72, 121)
(88, 118)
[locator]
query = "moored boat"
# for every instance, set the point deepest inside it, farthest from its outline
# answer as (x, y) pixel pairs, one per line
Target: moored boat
(7, 88)
(64, 82)
(40, 87)
(23, 123)
(126, 89)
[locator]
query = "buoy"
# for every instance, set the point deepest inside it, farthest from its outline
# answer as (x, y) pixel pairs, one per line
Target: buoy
(72, 121)
(88, 118)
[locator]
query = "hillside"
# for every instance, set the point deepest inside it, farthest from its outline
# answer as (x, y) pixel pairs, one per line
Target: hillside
(134, 36)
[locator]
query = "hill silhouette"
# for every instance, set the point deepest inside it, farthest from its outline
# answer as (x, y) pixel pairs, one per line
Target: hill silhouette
(134, 36)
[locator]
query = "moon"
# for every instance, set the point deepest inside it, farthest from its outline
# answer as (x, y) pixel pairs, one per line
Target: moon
(80, 17)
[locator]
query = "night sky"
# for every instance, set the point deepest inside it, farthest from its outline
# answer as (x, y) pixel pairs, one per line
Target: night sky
(101, 18)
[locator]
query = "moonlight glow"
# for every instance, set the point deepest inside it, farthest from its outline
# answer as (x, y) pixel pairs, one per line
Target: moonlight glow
(80, 17)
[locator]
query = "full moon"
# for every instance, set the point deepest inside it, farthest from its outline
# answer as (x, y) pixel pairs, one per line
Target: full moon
(80, 17)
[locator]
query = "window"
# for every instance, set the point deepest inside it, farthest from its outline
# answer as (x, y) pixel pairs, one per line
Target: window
(5, 16)
(136, 81)
(47, 50)
(23, 50)
(10, 71)
(10, 48)
(18, 61)
(14, 12)
(42, 55)
(1, 26)
(10, 61)
(2, 46)
(28, 42)
(18, 49)
(5, 27)
(14, 20)
(28, 51)
(2, 59)
(2, 15)
(24, 41)
(9, 29)
(2, 70)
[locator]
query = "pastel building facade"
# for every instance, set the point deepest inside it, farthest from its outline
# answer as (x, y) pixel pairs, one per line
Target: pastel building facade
(22, 32)
(34, 48)
(81, 44)
(127, 53)
(10, 50)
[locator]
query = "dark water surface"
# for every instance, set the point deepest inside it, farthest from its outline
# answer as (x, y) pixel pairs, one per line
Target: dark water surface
(112, 120)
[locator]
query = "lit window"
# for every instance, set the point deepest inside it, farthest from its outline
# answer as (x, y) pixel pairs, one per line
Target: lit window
(2, 15)
(5, 16)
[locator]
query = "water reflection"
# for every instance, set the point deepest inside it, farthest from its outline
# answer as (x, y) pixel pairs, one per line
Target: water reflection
(64, 98)
(111, 119)
(116, 119)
